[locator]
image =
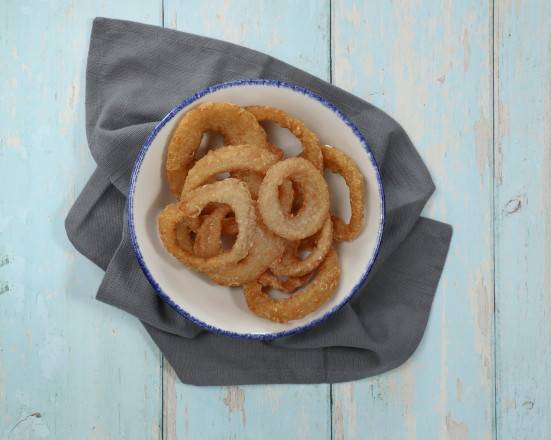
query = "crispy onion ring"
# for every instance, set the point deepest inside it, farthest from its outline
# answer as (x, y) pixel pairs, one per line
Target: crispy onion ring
(236, 124)
(311, 148)
(291, 265)
(175, 235)
(208, 239)
(253, 181)
(301, 303)
(183, 237)
(231, 192)
(286, 194)
(314, 211)
(338, 162)
(227, 159)
(176, 238)
(229, 227)
(286, 191)
(266, 248)
(268, 279)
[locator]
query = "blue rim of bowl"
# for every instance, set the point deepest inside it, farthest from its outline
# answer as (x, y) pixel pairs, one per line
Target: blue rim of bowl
(135, 171)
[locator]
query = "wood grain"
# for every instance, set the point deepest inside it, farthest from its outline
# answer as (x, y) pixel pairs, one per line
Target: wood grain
(523, 218)
(254, 412)
(429, 64)
(70, 367)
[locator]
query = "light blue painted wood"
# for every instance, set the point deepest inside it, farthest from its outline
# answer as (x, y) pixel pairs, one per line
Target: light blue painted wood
(74, 368)
(296, 34)
(70, 367)
(523, 218)
(300, 36)
(428, 63)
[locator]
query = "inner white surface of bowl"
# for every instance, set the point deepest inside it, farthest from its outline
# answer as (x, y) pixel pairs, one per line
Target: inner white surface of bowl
(225, 308)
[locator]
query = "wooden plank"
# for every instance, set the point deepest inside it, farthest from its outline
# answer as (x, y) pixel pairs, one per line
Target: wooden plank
(70, 367)
(523, 218)
(299, 36)
(429, 64)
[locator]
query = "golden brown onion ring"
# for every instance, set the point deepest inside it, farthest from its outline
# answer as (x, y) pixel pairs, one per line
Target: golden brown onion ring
(236, 124)
(291, 265)
(208, 239)
(338, 162)
(266, 248)
(251, 158)
(268, 279)
(229, 191)
(311, 148)
(314, 210)
(302, 302)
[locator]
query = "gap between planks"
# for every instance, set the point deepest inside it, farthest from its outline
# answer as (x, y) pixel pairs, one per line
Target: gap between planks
(494, 71)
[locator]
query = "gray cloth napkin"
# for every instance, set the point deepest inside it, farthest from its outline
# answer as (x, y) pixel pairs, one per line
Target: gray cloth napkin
(137, 73)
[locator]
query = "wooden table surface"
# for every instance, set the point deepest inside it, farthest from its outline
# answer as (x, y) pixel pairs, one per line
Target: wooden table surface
(469, 80)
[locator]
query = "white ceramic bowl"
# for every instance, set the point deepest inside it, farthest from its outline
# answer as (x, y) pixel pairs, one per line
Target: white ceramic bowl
(223, 310)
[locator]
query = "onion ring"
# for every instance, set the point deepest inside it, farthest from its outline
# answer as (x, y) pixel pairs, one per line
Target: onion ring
(175, 236)
(231, 192)
(173, 230)
(311, 148)
(253, 181)
(338, 162)
(266, 248)
(301, 303)
(292, 266)
(208, 238)
(229, 227)
(184, 236)
(228, 159)
(268, 279)
(236, 124)
(313, 212)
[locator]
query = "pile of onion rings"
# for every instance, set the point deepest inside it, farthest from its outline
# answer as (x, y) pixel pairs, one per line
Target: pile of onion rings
(245, 215)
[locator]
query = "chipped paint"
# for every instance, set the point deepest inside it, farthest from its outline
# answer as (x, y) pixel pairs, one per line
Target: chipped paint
(458, 390)
(275, 40)
(482, 146)
(546, 169)
(170, 404)
(15, 143)
(466, 50)
(482, 292)
(234, 399)
(481, 298)
(273, 395)
(338, 420)
(174, 21)
(456, 430)
(67, 113)
(443, 388)
(407, 394)
(502, 129)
